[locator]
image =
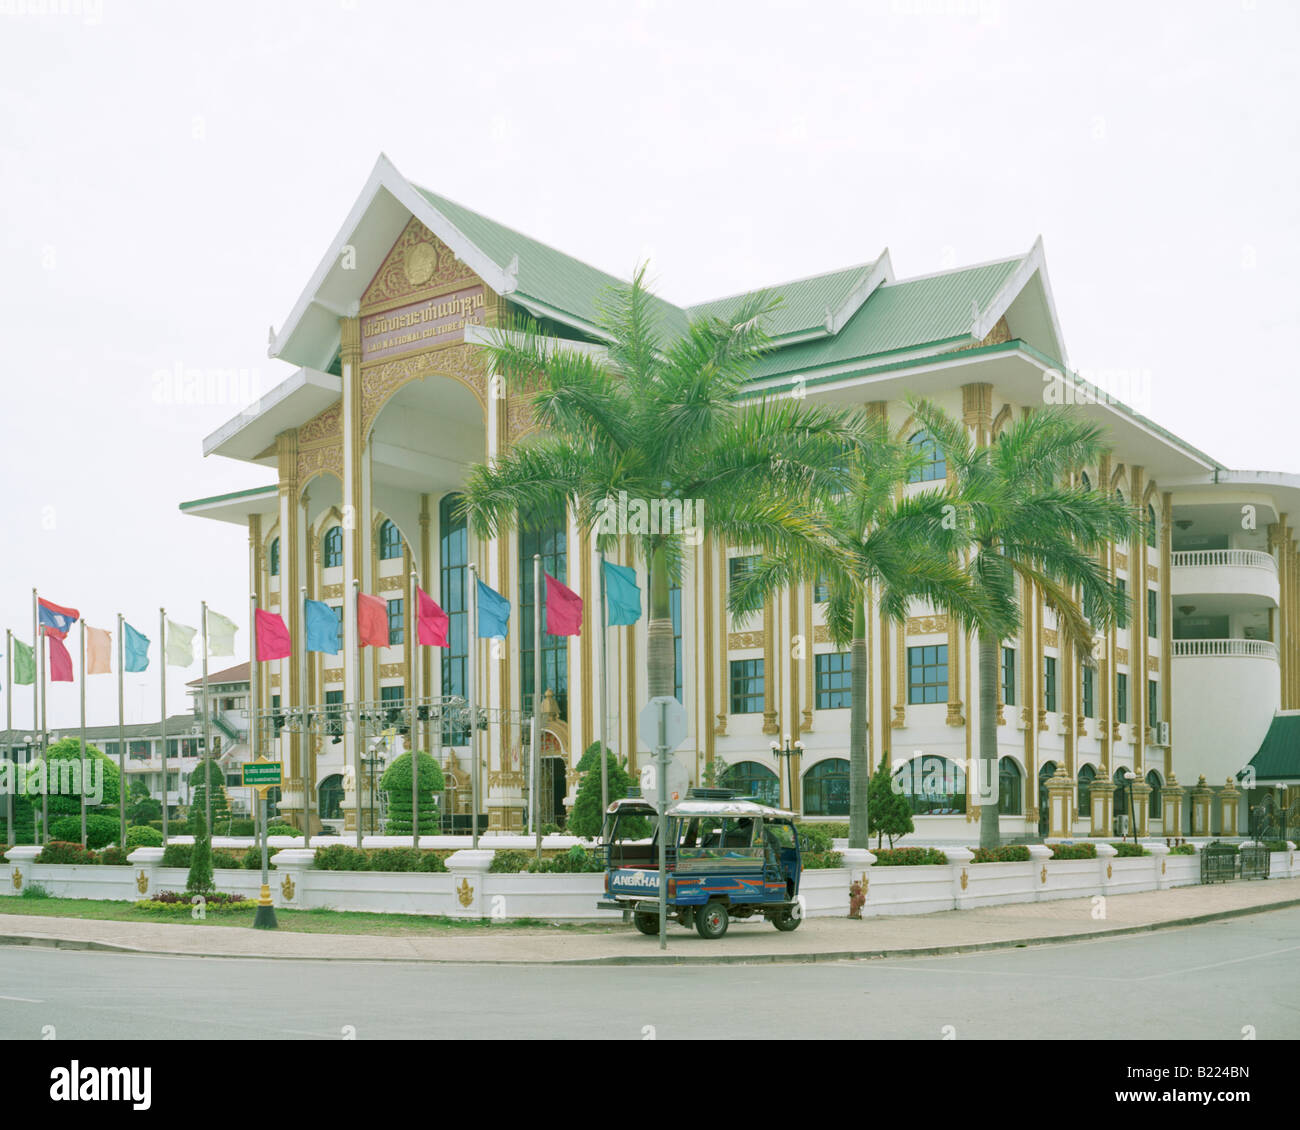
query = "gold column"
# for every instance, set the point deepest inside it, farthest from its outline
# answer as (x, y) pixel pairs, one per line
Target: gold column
(286, 445)
(1167, 622)
(900, 662)
(705, 631)
(1137, 631)
(257, 587)
(769, 667)
(1026, 680)
(810, 635)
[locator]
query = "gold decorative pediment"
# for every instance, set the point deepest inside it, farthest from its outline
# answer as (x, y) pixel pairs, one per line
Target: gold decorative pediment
(391, 584)
(418, 264)
(379, 381)
(1121, 655)
(331, 592)
(737, 641)
(926, 625)
(392, 670)
(821, 634)
(333, 674)
(1050, 638)
(1153, 663)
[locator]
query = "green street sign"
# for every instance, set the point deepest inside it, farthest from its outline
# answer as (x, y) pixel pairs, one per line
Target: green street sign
(261, 774)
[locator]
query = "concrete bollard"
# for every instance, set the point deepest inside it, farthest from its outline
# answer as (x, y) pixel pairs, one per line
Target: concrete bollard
(469, 868)
(287, 884)
(17, 874)
(144, 862)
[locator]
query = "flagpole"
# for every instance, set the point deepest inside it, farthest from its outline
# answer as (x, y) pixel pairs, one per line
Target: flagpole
(413, 641)
(10, 835)
(81, 623)
(535, 807)
(253, 702)
(207, 731)
(604, 693)
(39, 650)
(162, 685)
(304, 729)
(121, 734)
(470, 688)
(356, 714)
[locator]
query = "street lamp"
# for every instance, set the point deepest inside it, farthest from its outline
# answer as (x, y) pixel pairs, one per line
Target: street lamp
(786, 751)
(1129, 778)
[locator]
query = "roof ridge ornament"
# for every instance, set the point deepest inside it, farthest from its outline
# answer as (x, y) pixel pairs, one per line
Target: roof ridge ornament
(512, 275)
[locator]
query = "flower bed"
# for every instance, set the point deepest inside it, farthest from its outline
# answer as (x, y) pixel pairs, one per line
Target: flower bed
(1012, 853)
(909, 857)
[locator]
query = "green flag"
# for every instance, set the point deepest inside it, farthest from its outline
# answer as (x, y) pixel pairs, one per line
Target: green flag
(24, 663)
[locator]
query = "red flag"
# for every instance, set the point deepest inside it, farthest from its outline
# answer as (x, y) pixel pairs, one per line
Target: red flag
(431, 621)
(372, 620)
(273, 640)
(563, 609)
(60, 660)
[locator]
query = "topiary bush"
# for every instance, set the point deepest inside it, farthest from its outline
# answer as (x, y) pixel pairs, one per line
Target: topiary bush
(56, 772)
(396, 782)
(393, 859)
(101, 830)
(336, 857)
(141, 807)
(208, 773)
(1128, 851)
(143, 836)
(586, 818)
(508, 862)
(199, 880)
(1010, 853)
(888, 812)
(1074, 851)
(909, 857)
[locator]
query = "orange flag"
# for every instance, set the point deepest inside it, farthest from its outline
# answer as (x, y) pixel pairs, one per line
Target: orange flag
(99, 647)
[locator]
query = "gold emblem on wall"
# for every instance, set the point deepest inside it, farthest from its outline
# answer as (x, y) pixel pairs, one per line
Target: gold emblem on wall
(419, 263)
(142, 882)
(287, 888)
(1042, 875)
(964, 878)
(465, 893)
(1162, 865)
(1108, 871)
(17, 879)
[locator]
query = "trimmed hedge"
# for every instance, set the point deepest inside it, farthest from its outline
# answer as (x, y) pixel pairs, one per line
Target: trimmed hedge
(822, 860)
(1074, 851)
(1275, 845)
(342, 857)
(143, 836)
(101, 830)
(1128, 851)
(113, 856)
(60, 851)
(909, 857)
(1011, 853)
(253, 859)
(830, 827)
(1183, 849)
(814, 838)
(577, 860)
(509, 862)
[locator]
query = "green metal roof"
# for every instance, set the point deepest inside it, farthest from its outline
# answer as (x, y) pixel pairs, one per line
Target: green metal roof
(249, 493)
(803, 302)
(1278, 758)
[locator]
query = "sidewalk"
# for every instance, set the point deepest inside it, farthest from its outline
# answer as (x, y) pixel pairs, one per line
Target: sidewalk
(820, 939)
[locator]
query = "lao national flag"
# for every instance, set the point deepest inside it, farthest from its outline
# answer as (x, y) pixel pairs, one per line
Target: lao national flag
(372, 621)
(55, 618)
(273, 640)
(60, 660)
(563, 609)
(431, 621)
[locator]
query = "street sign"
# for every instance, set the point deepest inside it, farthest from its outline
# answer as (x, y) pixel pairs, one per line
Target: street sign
(673, 715)
(261, 774)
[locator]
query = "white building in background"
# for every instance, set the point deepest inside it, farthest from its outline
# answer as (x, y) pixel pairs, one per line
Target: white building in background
(388, 402)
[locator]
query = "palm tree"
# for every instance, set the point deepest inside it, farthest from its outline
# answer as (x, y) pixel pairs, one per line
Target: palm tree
(1029, 526)
(663, 422)
(891, 548)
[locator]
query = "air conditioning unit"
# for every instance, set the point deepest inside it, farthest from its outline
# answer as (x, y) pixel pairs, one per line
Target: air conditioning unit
(1162, 733)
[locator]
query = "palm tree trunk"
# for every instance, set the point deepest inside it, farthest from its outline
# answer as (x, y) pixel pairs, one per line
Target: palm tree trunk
(661, 660)
(859, 755)
(989, 670)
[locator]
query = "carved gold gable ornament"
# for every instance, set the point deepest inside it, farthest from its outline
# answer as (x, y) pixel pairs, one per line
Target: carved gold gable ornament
(287, 888)
(465, 893)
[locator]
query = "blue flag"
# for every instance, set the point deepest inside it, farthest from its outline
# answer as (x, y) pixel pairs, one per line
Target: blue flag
(137, 649)
(322, 628)
(493, 613)
(622, 597)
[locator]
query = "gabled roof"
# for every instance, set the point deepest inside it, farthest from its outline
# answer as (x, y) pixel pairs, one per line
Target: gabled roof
(237, 674)
(1278, 758)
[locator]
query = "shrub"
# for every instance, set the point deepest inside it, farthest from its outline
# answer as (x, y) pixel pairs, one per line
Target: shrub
(1275, 845)
(1183, 849)
(183, 898)
(199, 880)
(577, 860)
(1010, 853)
(822, 860)
(1127, 851)
(282, 830)
(586, 819)
(225, 857)
(814, 838)
(143, 836)
(207, 771)
(36, 890)
(396, 782)
(67, 800)
(253, 859)
(393, 859)
(509, 862)
(831, 828)
(909, 857)
(336, 857)
(101, 830)
(61, 851)
(235, 827)
(434, 861)
(177, 855)
(141, 807)
(113, 856)
(1074, 851)
(888, 813)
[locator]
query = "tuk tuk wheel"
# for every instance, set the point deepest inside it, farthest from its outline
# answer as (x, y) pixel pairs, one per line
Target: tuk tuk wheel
(647, 923)
(786, 921)
(711, 921)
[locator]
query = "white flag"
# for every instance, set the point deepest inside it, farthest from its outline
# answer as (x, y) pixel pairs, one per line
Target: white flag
(180, 644)
(221, 634)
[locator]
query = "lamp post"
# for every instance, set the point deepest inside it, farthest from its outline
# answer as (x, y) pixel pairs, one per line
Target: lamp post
(786, 751)
(1129, 778)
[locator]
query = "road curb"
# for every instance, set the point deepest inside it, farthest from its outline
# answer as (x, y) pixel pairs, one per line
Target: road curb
(51, 941)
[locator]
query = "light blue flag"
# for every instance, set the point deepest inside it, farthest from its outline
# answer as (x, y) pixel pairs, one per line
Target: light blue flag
(137, 649)
(493, 613)
(322, 628)
(622, 597)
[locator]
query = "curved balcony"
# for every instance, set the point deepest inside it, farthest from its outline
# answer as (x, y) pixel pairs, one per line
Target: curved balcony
(1244, 576)
(1213, 649)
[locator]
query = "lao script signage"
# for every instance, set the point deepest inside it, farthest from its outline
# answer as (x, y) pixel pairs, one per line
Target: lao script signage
(431, 321)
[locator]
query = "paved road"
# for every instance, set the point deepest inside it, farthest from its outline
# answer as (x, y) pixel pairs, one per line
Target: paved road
(1199, 982)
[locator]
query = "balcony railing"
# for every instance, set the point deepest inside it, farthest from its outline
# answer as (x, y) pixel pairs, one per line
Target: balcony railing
(1247, 558)
(1253, 649)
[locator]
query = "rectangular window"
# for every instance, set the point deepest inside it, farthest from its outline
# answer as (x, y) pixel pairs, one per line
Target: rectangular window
(1153, 702)
(927, 673)
(746, 686)
(1153, 605)
(338, 615)
(1121, 617)
(547, 537)
(392, 698)
(395, 621)
(821, 590)
(1089, 692)
(1121, 697)
(1009, 676)
(1049, 683)
(675, 609)
(334, 713)
(737, 567)
(834, 675)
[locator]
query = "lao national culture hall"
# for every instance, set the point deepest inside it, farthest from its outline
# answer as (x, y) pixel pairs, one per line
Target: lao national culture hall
(386, 403)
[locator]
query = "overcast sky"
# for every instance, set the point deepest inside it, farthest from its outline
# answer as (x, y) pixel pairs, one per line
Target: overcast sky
(172, 173)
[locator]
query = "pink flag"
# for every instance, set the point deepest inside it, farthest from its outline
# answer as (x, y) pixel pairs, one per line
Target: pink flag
(372, 620)
(273, 640)
(431, 621)
(563, 609)
(98, 648)
(60, 660)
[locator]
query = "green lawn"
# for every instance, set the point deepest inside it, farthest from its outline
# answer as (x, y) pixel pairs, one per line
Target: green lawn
(302, 921)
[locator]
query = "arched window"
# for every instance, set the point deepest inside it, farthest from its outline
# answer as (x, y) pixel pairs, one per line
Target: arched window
(1009, 791)
(1086, 777)
(1046, 771)
(1154, 801)
(390, 541)
(1121, 792)
(275, 557)
(1151, 526)
(934, 466)
(826, 788)
(749, 778)
(1087, 482)
(545, 535)
(332, 553)
(932, 785)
